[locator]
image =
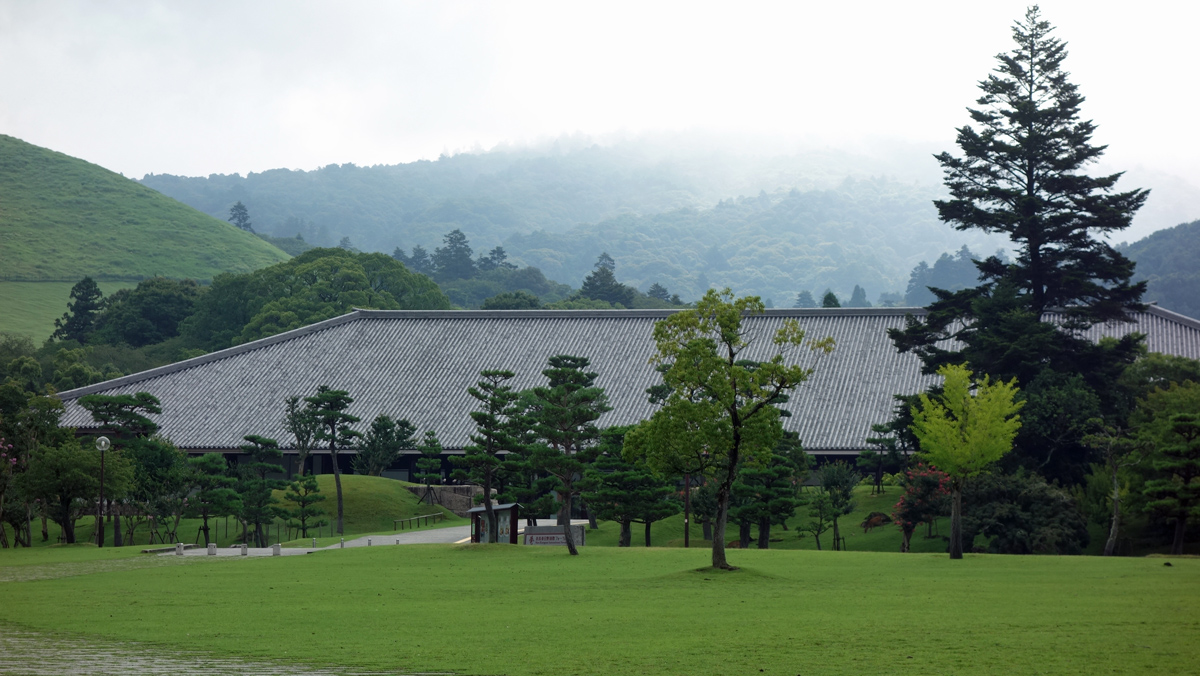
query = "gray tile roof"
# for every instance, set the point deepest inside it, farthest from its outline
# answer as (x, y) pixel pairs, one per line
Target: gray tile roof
(418, 365)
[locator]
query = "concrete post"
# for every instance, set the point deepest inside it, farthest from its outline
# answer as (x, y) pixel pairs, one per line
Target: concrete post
(245, 550)
(276, 550)
(368, 542)
(178, 549)
(314, 543)
(212, 549)
(343, 543)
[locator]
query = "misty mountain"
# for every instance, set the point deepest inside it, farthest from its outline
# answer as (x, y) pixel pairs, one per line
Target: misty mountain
(1170, 261)
(865, 232)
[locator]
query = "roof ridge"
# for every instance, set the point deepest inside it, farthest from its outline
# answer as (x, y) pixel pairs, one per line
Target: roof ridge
(210, 357)
(1173, 316)
(616, 313)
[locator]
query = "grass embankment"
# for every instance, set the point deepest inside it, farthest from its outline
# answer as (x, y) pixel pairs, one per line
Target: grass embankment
(31, 307)
(370, 505)
(534, 610)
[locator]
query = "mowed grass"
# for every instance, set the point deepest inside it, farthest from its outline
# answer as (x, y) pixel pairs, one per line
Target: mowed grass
(31, 307)
(63, 218)
(371, 503)
(504, 609)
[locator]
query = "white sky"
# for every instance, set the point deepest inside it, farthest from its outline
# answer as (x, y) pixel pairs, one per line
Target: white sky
(219, 87)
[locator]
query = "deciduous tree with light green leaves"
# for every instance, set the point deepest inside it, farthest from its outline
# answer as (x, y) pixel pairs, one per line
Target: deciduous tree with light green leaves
(722, 407)
(965, 429)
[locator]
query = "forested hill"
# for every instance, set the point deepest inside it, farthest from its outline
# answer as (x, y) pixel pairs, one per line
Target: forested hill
(671, 216)
(62, 218)
(1170, 260)
(865, 232)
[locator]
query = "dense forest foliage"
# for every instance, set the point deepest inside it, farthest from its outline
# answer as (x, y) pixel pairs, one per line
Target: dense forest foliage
(164, 320)
(1170, 261)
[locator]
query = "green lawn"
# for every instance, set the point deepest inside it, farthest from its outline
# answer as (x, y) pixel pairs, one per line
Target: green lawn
(505, 609)
(31, 307)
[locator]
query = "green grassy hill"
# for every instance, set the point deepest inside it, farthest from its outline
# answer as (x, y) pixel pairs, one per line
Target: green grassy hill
(62, 218)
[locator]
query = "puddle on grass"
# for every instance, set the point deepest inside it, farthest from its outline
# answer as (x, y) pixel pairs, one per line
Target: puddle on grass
(51, 571)
(30, 653)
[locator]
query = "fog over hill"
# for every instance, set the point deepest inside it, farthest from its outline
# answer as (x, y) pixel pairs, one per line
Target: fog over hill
(684, 209)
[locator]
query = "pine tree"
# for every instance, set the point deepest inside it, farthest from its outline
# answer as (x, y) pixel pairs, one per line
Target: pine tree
(304, 493)
(255, 489)
(858, 298)
(1020, 174)
(480, 462)
(453, 260)
(429, 465)
(420, 261)
(805, 299)
(329, 407)
(602, 284)
(659, 291)
(239, 215)
(1177, 494)
(78, 322)
(830, 299)
(562, 416)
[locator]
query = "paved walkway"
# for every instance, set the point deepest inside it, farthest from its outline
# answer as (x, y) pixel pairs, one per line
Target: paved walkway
(448, 535)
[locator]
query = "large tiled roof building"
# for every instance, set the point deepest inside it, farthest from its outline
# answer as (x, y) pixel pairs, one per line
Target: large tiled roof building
(418, 365)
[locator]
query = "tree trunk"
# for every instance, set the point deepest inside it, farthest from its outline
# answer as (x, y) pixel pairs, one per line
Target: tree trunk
(204, 529)
(764, 533)
(118, 538)
(1180, 527)
(687, 510)
(906, 540)
(626, 535)
(591, 517)
(45, 526)
(817, 537)
(337, 481)
(1110, 546)
(956, 543)
(567, 528)
(744, 534)
(648, 532)
(718, 531)
(68, 524)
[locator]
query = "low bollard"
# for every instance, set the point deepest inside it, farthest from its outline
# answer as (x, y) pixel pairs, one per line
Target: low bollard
(397, 540)
(245, 550)
(314, 543)
(343, 543)
(212, 549)
(368, 542)
(178, 549)
(276, 550)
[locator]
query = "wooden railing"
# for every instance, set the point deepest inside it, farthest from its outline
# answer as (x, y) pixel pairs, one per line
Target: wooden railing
(398, 524)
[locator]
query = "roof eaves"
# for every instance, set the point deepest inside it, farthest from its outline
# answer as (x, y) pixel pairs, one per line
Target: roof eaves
(210, 357)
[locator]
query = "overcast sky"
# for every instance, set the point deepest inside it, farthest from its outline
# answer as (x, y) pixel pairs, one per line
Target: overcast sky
(218, 87)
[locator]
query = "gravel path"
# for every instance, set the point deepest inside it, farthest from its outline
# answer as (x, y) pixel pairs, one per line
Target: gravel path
(31, 653)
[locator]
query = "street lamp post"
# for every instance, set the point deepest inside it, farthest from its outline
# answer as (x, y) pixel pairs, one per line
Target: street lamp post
(102, 444)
